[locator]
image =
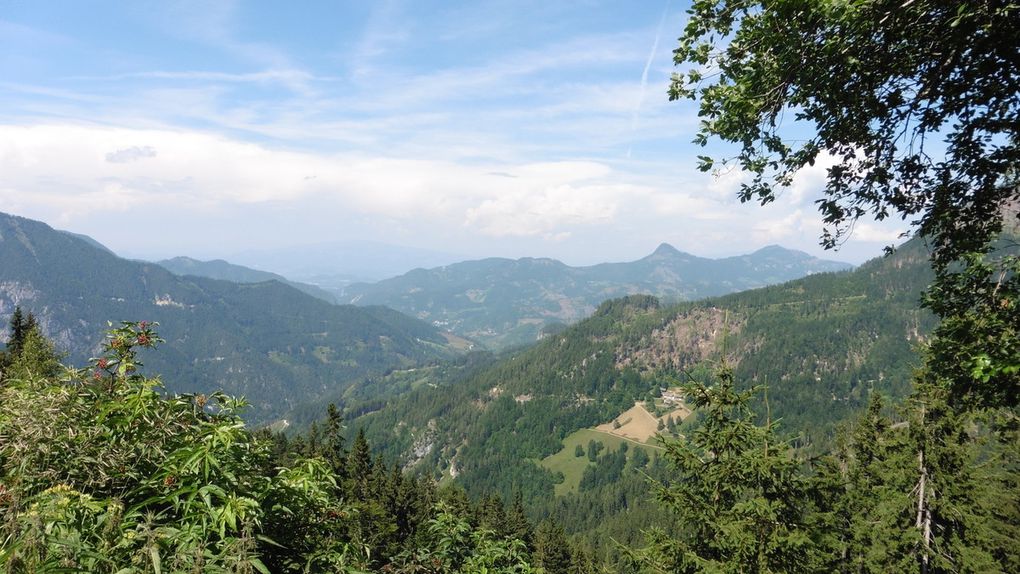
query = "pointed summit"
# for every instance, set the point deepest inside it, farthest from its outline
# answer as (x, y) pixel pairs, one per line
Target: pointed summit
(665, 249)
(777, 250)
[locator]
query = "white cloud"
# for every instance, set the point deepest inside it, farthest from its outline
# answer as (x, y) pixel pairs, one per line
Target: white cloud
(544, 211)
(726, 182)
(208, 171)
(777, 229)
(208, 188)
(809, 182)
(129, 154)
(877, 232)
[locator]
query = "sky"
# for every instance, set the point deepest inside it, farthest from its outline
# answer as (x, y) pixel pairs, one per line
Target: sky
(488, 128)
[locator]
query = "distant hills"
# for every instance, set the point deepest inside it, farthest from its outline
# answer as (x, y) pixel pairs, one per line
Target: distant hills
(822, 344)
(506, 302)
(220, 269)
(267, 341)
(336, 264)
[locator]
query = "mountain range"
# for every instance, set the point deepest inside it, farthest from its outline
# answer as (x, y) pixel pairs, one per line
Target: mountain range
(821, 344)
(220, 269)
(336, 264)
(501, 422)
(506, 302)
(267, 341)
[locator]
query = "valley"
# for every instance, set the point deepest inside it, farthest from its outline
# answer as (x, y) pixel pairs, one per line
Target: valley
(271, 343)
(600, 287)
(588, 414)
(504, 303)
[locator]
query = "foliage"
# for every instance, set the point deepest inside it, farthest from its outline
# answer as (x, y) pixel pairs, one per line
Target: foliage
(875, 85)
(28, 352)
(451, 545)
(738, 495)
(104, 475)
(552, 552)
(101, 473)
(936, 472)
(976, 348)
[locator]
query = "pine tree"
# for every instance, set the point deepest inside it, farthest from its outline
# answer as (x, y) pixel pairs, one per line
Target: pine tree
(640, 458)
(35, 358)
(952, 527)
(333, 447)
(582, 560)
(19, 329)
(492, 515)
(359, 462)
(738, 494)
(518, 525)
(313, 445)
(924, 495)
(552, 552)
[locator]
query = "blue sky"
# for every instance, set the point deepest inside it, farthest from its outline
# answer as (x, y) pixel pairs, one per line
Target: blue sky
(484, 128)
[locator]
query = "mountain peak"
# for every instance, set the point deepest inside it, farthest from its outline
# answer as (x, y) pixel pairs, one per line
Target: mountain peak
(665, 249)
(775, 249)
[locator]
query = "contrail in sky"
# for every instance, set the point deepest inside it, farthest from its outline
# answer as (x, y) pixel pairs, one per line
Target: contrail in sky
(644, 73)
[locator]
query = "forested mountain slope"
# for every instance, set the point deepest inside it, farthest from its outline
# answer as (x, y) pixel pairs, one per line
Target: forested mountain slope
(821, 343)
(266, 341)
(504, 302)
(220, 269)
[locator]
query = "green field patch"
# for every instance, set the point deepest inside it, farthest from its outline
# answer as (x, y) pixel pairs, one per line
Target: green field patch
(573, 466)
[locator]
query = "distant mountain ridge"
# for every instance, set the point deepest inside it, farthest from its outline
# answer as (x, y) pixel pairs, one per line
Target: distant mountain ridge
(266, 341)
(336, 264)
(220, 269)
(505, 302)
(822, 344)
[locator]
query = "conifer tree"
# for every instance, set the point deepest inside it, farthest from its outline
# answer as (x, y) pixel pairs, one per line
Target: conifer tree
(333, 447)
(517, 524)
(492, 515)
(738, 494)
(35, 356)
(313, 444)
(552, 552)
(582, 560)
(17, 328)
(930, 494)
(359, 462)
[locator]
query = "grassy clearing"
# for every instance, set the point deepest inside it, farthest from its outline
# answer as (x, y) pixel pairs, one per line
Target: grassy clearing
(573, 467)
(635, 423)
